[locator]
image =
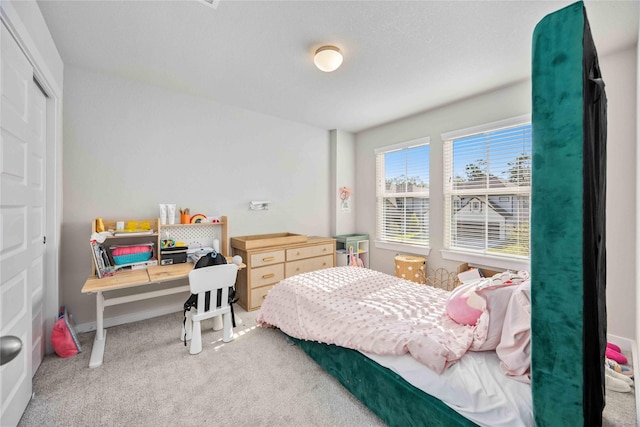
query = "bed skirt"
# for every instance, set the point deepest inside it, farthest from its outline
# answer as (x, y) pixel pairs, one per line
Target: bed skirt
(384, 392)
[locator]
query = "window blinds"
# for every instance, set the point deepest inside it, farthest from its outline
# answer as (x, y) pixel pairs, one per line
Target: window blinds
(487, 188)
(402, 193)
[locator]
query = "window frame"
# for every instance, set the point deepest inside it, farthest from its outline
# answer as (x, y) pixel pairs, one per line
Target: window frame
(391, 245)
(481, 256)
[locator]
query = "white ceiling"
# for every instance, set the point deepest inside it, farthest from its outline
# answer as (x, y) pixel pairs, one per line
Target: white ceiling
(401, 57)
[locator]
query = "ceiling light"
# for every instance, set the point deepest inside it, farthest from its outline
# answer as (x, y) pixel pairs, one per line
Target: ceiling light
(327, 58)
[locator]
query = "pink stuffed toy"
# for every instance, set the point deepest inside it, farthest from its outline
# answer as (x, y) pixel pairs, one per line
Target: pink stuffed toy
(464, 305)
(613, 353)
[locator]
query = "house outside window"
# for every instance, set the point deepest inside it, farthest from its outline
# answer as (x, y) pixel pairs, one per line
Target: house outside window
(487, 189)
(402, 194)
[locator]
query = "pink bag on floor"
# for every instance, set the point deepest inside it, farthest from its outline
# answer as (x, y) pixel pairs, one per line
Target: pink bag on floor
(62, 336)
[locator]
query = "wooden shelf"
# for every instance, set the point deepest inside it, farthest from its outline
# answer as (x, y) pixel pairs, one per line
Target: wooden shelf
(157, 231)
(196, 224)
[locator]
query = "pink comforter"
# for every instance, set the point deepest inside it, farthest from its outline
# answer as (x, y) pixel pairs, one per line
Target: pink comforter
(369, 311)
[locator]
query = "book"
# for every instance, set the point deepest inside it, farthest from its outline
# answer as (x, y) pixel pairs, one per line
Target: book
(101, 260)
(470, 275)
(96, 258)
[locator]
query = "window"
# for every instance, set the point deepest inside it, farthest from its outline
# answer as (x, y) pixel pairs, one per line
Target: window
(487, 188)
(402, 193)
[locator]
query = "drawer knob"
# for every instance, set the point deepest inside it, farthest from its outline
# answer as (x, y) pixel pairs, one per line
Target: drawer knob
(267, 276)
(270, 258)
(264, 296)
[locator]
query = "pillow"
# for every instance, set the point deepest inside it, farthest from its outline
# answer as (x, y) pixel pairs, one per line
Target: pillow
(483, 303)
(514, 349)
(492, 319)
(497, 293)
(464, 305)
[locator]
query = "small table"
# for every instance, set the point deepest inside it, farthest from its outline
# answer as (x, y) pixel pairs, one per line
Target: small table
(130, 279)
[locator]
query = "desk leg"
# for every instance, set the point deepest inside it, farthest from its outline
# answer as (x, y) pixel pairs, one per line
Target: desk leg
(97, 352)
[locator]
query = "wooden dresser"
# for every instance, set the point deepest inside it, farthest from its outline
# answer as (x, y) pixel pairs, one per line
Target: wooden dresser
(267, 265)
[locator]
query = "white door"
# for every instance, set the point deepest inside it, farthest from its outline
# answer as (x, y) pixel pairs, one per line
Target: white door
(22, 186)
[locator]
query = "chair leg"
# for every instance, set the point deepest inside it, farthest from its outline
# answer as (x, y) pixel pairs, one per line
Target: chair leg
(187, 327)
(196, 338)
(228, 328)
(217, 323)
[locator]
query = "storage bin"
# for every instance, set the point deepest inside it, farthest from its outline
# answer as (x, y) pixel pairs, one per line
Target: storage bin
(128, 254)
(131, 258)
(411, 268)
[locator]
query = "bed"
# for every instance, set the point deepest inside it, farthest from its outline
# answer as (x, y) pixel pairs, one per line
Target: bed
(372, 331)
(568, 252)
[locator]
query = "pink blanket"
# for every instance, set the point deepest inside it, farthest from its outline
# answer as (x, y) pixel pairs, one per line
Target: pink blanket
(369, 311)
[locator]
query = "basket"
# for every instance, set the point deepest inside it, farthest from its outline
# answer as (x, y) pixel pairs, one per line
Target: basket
(411, 268)
(131, 258)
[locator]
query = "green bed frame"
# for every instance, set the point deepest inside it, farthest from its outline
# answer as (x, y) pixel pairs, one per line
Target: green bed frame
(568, 257)
(567, 250)
(399, 403)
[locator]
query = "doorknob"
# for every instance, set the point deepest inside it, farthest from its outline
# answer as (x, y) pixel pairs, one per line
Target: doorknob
(10, 346)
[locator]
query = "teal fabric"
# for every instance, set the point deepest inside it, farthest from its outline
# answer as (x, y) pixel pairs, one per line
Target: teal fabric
(557, 219)
(384, 392)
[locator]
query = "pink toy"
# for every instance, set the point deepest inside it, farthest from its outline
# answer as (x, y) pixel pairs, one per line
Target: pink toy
(617, 356)
(614, 347)
(464, 306)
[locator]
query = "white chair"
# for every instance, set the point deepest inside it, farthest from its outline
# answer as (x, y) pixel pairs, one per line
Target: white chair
(210, 279)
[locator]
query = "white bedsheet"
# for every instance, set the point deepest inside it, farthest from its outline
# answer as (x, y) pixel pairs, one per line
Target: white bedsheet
(474, 387)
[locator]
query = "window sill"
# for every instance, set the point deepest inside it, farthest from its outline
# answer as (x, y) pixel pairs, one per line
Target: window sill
(487, 261)
(403, 247)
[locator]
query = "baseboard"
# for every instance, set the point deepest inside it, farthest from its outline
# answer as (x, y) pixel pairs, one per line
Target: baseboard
(629, 345)
(133, 317)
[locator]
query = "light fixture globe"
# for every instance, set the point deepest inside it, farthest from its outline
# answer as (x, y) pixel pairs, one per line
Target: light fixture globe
(327, 58)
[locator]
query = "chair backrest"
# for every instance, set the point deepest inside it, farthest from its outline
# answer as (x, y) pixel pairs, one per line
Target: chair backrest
(212, 278)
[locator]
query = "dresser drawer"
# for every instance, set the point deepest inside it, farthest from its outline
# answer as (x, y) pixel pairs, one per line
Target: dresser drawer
(258, 295)
(267, 258)
(309, 264)
(267, 275)
(309, 251)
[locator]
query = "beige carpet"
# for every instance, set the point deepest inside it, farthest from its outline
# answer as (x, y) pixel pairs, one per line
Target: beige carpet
(149, 379)
(620, 409)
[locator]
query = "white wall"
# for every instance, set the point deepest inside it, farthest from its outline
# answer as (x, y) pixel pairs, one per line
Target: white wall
(129, 147)
(619, 72)
(637, 194)
(342, 175)
(503, 103)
